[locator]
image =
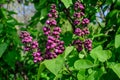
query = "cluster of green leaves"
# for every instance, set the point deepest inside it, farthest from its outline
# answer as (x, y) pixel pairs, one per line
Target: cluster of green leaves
(9, 42)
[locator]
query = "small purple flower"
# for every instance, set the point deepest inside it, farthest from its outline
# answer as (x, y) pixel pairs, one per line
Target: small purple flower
(53, 11)
(48, 22)
(76, 22)
(85, 21)
(79, 32)
(81, 6)
(46, 30)
(56, 32)
(24, 34)
(34, 44)
(78, 45)
(51, 22)
(88, 44)
(78, 5)
(37, 57)
(50, 15)
(77, 15)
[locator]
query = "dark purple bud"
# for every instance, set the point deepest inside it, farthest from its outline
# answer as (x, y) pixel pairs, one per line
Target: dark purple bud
(77, 15)
(53, 11)
(76, 22)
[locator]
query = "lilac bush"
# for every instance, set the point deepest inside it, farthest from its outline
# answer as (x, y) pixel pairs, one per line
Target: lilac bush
(54, 46)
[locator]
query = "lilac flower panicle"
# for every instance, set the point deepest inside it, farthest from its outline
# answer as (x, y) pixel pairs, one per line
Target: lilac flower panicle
(29, 45)
(54, 46)
(82, 31)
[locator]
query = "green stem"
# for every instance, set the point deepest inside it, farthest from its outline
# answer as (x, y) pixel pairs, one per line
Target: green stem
(41, 68)
(85, 54)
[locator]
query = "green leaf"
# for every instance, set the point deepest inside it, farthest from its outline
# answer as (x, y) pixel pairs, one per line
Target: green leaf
(67, 3)
(3, 47)
(91, 76)
(83, 64)
(115, 67)
(11, 22)
(41, 68)
(101, 55)
(3, 13)
(1, 28)
(68, 50)
(94, 51)
(99, 35)
(40, 5)
(2, 1)
(117, 41)
(81, 74)
(10, 58)
(99, 73)
(55, 65)
(44, 13)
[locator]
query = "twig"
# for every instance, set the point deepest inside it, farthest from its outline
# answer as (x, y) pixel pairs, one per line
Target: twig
(67, 67)
(67, 13)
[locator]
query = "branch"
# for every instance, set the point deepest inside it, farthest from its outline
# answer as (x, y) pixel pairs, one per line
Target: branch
(67, 13)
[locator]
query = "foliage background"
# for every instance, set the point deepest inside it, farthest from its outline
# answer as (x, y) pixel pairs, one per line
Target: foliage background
(102, 63)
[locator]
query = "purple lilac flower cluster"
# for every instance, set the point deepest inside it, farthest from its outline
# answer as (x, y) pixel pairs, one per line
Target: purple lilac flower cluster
(54, 46)
(88, 44)
(31, 45)
(78, 44)
(79, 20)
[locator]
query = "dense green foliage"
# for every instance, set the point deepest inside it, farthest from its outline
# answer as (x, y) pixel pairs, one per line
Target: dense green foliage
(102, 63)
